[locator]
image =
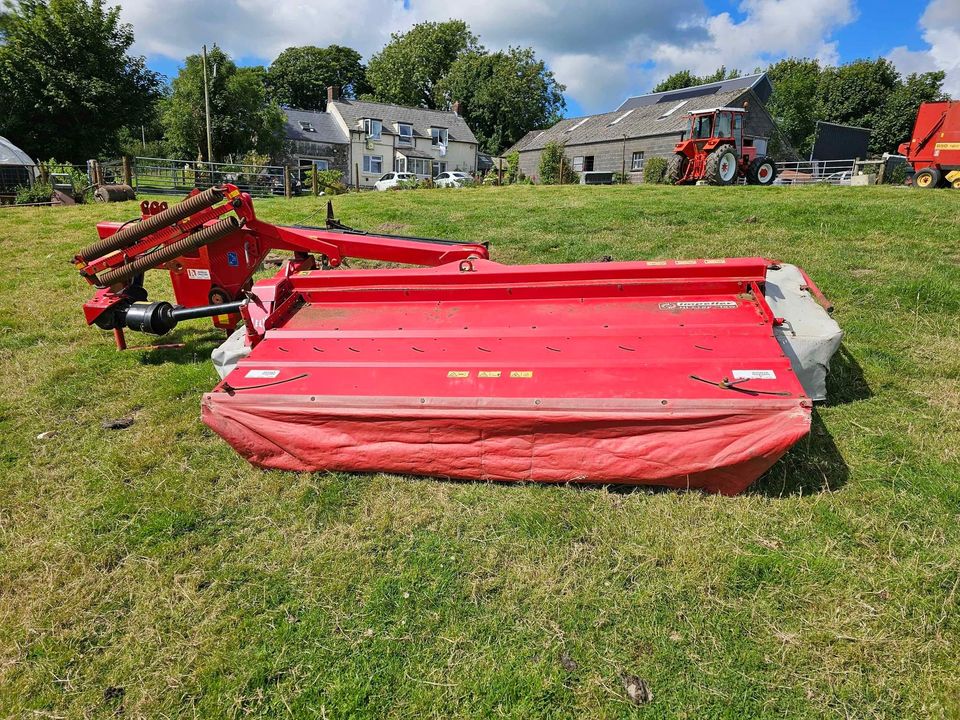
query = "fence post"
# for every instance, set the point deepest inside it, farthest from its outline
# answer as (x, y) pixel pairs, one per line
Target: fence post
(356, 176)
(286, 182)
(127, 176)
(315, 181)
(44, 173)
(561, 169)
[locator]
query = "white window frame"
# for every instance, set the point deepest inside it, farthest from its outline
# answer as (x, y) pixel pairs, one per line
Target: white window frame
(637, 160)
(439, 137)
(578, 163)
(404, 139)
(400, 164)
(439, 167)
(373, 164)
(373, 128)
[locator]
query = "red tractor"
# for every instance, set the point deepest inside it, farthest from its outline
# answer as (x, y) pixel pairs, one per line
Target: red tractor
(934, 147)
(713, 150)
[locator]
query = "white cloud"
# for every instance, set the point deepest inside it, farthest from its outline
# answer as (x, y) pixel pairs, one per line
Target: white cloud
(940, 23)
(602, 50)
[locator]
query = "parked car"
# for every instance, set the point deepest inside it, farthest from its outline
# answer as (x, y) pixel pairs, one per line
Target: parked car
(452, 179)
(391, 179)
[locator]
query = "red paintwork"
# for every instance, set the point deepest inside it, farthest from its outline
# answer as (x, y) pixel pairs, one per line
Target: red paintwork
(698, 149)
(935, 141)
(551, 373)
(222, 271)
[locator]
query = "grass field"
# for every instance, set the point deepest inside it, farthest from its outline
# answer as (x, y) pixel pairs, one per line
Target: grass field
(150, 572)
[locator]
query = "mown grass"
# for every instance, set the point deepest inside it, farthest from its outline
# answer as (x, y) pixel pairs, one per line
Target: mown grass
(150, 572)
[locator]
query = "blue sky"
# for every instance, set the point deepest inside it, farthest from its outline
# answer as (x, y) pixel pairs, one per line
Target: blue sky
(602, 50)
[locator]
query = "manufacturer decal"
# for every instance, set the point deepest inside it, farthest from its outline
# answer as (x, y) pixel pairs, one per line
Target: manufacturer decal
(195, 274)
(521, 373)
(947, 146)
(754, 375)
(262, 374)
(489, 374)
(704, 305)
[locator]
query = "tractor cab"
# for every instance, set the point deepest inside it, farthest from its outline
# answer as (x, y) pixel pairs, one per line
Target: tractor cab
(712, 150)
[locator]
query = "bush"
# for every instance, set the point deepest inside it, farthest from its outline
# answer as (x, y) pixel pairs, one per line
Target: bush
(41, 192)
(491, 179)
(898, 175)
(654, 170)
(513, 167)
(329, 182)
(82, 187)
(407, 185)
(552, 159)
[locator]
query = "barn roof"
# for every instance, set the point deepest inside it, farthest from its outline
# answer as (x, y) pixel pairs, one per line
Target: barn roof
(758, 82)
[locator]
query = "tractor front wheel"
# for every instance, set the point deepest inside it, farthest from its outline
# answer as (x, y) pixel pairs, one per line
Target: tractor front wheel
(762, 171)
(927, 179)
(676, 169)
(722, 166)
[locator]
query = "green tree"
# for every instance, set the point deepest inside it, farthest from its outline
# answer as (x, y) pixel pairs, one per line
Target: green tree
(243, 118)
(553, 162)
(894, 124)
(67, 82)
(503, 95)
(795, 83)
(854, 94)
(684, 79)
(410, 67)
(299, 76)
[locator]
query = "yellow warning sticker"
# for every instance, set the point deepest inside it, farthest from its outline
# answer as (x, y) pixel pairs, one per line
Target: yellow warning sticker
(489, 373)
(947, 146)
(686, 262)
(521, 373)
(715, 261)
(458, 374)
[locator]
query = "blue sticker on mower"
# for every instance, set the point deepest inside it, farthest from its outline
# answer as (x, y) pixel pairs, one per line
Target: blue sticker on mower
(233, 260)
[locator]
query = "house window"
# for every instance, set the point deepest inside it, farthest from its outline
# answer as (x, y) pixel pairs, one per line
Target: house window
(306, 126)
(373, 164)
(439, 136)
(321, 164)
(578, 163)
(439, 167)
(400, 164)
(419, 166)
(405, 134)
(588, 163)
(372, 128)
(637, 162)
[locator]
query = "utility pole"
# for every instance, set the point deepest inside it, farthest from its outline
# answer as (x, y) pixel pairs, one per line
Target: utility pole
(206, 102)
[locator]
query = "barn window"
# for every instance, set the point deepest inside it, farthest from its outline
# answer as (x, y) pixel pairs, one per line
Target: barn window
(578, 163)
(636, 163)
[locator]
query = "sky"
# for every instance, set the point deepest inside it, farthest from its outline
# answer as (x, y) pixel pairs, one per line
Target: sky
(602, 50)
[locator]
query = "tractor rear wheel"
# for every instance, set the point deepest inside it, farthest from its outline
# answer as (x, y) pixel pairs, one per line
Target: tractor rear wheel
(762, 171)
(927, 179)
(722, 166)
(676, 168)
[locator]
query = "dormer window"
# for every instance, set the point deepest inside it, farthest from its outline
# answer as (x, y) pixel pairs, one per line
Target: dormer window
(372, 128)
(306, 126)
(404, 134)
(439, 137)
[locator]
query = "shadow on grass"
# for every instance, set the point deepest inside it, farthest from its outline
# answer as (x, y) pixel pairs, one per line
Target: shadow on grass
(813, 465)
(188, 345)
(846, 382)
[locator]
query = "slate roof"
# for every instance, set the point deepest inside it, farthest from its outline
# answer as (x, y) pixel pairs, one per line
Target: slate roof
(642, 121)
(422, 119)
(758, 82)
(326, 128)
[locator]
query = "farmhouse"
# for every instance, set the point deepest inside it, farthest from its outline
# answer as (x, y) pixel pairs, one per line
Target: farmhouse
(650, 125)
(364, 140)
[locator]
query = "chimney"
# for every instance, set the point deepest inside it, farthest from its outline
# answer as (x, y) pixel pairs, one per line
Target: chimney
(333, 93)
(456, 107)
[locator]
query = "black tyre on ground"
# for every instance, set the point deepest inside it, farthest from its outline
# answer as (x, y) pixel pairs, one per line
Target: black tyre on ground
(721, 168)
(676, 167)
(927, 179)
(762, 171)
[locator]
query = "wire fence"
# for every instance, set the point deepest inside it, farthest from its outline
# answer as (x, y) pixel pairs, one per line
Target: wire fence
(159, 176)
(824, 172)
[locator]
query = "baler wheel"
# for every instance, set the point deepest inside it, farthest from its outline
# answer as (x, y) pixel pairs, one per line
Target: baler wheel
(927, 179)
(722, 166)
(762, 171)
(955, 184)
(676, 168)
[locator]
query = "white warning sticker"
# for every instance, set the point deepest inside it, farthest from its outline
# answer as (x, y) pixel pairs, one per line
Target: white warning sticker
(195, 274)
(700, 305)
(754, 375)
(262, 374)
